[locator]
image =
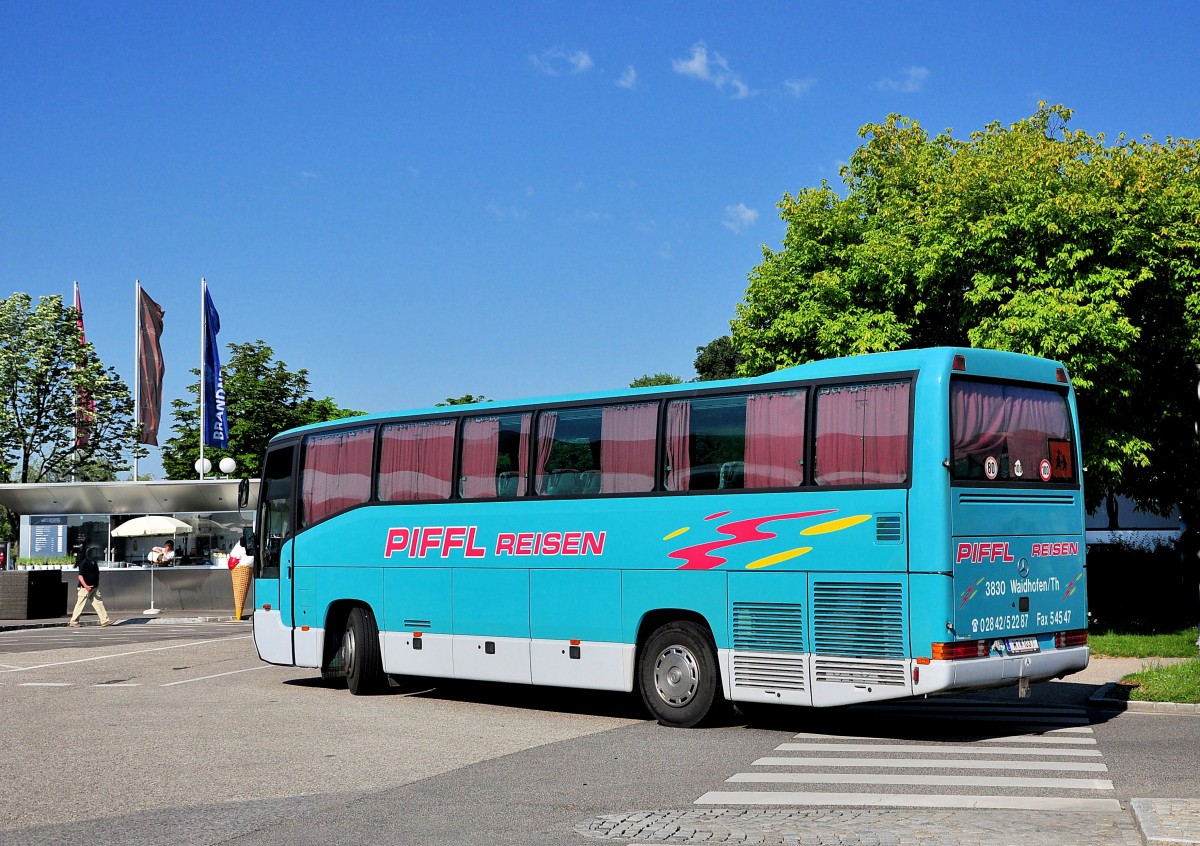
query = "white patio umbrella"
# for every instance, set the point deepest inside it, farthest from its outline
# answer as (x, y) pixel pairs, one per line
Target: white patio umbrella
(152, 524)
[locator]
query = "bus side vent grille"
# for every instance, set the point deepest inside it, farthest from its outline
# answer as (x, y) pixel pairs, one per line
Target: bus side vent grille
(767, 627)
(889, 528)
(417, 625)
(859, 672)
(768, 672)
(858, 620)
(998, 498)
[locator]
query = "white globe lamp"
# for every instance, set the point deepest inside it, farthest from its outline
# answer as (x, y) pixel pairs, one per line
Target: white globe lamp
(203, 465)
(227, 465)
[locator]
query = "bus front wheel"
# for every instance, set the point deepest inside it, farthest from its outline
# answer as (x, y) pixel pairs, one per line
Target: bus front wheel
(360, 654)
(678, 674)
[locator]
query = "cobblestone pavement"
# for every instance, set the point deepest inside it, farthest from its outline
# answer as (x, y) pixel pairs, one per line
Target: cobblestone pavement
(1163, 821)
(865, 827)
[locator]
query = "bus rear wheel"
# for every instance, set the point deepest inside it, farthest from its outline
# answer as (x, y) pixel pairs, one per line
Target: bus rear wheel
(360, 654)
(677, 674)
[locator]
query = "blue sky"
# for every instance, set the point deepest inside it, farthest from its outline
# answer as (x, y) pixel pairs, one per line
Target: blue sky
(416, 200)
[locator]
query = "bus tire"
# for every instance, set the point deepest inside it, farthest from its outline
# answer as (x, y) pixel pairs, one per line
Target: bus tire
(360, 652)
(677, 673)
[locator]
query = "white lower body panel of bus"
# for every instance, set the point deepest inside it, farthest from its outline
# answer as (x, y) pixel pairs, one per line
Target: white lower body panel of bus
(752, 677)
(825, 680)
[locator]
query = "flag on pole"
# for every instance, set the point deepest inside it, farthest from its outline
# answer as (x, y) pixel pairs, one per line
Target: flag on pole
(150, 367)
(85, 411)
(216, 421)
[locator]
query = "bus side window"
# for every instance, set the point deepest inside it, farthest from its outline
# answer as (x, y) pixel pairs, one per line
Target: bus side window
(416, 461)
(275, 511)
(862, 434)
(495, 456)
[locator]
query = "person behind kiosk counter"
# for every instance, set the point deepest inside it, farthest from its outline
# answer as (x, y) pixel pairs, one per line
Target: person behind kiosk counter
(89, 589)
(242, 565)
(162, 554)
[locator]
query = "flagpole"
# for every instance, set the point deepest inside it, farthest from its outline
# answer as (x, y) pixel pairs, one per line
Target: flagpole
(137, 369)
(200, 393)
(75, 428)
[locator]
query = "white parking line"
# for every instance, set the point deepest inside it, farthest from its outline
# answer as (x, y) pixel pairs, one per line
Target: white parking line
(124, 654)
(216, 676)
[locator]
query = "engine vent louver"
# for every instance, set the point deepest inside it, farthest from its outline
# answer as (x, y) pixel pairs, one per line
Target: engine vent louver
(858, 620)
(767, 627)
(1001, 498)
(889, 528)
(769, 672)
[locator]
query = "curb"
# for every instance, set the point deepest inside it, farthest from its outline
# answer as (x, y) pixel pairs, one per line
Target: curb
(1102, 698)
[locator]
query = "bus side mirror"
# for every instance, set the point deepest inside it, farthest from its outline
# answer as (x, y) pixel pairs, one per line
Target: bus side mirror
(243, 493)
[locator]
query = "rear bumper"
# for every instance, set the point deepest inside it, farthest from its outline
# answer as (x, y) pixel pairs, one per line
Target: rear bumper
(999, 670)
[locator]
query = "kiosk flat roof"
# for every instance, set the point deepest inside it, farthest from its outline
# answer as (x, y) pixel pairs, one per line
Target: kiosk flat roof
(155, 497)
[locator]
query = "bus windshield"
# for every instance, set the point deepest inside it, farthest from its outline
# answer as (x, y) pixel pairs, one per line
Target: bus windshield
(1003, 432)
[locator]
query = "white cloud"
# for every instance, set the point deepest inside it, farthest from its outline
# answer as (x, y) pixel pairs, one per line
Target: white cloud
(556, 61)
(712, 69)
(800, 87)
(911, 80)
(628, 78)
(414, 171)
(500, 212)
(739, 218)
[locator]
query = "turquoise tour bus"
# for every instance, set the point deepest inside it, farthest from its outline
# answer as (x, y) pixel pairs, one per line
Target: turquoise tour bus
(881, 526)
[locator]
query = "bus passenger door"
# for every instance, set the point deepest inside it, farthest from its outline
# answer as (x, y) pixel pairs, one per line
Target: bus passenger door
(273, 559)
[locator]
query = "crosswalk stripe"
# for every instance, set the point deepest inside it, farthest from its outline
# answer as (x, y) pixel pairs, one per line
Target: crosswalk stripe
(1078, 741)
(919, 800)
(934, 763)
(941, 749)
(1047, 732)
(926, 780)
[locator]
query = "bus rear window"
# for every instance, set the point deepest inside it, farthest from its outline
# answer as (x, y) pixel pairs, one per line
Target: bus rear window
(1010, 433)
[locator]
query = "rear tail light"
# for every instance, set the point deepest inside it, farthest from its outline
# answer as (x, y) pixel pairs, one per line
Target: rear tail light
(1060, 375)
(959, 364)
(960, 649)
(1076, 638)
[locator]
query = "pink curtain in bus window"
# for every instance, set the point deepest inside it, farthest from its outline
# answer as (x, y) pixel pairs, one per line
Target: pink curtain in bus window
(679, 460)
(1034, 416)
(979, 419)
(1007, 420)
(627, 440)
(774, 440)
(480, 449)
(337, 473)
(547, 423)
(416, 461)
(862, 435)
(523, 456)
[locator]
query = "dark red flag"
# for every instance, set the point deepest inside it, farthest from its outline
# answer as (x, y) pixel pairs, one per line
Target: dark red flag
(150, 367)
(85, 410)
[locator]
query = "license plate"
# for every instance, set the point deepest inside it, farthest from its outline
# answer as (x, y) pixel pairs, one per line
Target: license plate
(1020, 645)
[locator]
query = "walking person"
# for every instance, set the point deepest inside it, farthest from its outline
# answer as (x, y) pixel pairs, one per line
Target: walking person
(89, 589)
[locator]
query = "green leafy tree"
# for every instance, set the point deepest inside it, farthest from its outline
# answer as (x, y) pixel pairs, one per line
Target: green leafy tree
(63, 414)
(465, 399)
(718, 359)
(1032, 237)
(262, 398)
(649, 381)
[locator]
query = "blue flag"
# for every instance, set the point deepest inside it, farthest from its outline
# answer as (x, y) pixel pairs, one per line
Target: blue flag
(216, 420)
